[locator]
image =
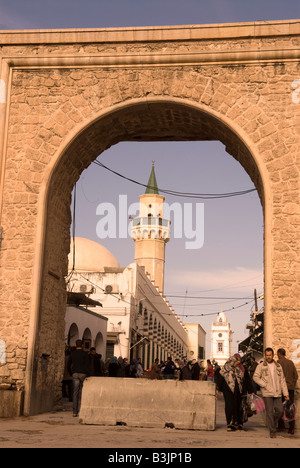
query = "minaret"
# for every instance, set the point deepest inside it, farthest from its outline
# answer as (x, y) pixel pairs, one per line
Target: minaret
(151, 232)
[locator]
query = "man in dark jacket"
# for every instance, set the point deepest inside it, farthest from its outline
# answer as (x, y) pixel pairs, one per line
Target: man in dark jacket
(291, 377)
(79, 368)
(169, 370)
(195, 370)
(95, 365)
(185, 372)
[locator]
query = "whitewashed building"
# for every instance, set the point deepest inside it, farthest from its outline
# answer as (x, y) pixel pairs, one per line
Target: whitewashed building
(221, 339)
(140, 321)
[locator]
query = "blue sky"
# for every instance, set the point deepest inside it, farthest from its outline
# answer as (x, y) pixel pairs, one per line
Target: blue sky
(37, 14)
(230, 264)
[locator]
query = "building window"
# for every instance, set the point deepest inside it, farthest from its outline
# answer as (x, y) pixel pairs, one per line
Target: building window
(220, 347)
(201, 352)
(110, 349)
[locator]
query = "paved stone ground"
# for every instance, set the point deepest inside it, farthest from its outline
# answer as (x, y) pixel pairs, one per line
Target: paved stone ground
(60, 430)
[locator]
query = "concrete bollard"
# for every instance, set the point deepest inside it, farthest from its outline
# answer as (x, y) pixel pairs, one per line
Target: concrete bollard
(145, 403)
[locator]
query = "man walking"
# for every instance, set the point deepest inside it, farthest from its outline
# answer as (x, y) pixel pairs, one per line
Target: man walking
(79, 369)
(291, 377)
(270, 377)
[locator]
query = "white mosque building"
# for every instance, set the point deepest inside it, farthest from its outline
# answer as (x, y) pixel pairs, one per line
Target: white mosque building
(140, 322)
(221, 339)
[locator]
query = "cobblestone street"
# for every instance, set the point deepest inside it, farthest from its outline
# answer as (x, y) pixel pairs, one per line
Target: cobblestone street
(60, 430)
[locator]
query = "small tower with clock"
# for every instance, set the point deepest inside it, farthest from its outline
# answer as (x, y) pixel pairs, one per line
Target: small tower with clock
(221, 339)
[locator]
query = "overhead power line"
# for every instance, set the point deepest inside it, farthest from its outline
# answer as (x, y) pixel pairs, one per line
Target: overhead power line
(203, 196)
(216, 313)
(171, 314)
(208, 297)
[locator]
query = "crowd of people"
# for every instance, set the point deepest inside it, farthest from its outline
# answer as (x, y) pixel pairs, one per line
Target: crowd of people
(276, 380)
(121, 367)
(80, 364)
(181, 370)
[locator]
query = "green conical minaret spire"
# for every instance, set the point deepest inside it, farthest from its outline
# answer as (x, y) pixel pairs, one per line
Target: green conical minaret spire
(151, 232)
(152, 187)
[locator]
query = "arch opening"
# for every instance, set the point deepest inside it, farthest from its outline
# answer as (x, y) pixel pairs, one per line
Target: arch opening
(161, 120)
(73, 335)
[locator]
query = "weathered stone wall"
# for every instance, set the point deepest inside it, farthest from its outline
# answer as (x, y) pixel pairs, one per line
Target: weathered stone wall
(67, 103)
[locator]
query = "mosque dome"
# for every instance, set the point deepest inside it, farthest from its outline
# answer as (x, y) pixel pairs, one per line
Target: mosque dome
(91, 256)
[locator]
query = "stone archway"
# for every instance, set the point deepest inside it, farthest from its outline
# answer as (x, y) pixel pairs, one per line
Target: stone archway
(178, 120)
(70, 96)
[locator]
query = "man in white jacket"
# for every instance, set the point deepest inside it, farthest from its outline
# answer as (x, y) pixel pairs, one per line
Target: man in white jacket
(270, 377)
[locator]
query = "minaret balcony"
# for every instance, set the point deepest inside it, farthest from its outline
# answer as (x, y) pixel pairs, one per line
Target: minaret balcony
(150, 228)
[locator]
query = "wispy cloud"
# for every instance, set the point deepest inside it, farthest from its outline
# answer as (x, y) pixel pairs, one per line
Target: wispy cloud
(221, 282)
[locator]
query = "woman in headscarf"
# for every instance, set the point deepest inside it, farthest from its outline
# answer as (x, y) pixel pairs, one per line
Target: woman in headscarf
(113, 367)
(234, 381)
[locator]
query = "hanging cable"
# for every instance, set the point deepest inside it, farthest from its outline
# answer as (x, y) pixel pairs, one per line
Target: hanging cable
(203, 196)
(157, 311)
(217, 313)
(209, 297)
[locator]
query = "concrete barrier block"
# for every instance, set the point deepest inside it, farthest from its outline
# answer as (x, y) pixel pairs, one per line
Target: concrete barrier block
(149, 403)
